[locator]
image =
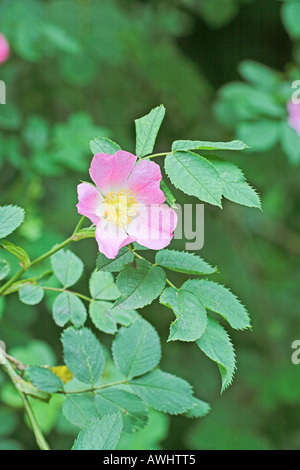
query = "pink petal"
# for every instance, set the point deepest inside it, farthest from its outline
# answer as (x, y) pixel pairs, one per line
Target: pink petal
(154, 226)
(294, 116)
(144, 181)
(4, 49)
(90, 202)
(110, 172)
(111, 238)
(293, 108)
(295, 124)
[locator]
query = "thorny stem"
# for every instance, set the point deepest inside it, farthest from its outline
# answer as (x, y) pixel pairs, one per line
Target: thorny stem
(41, 442)
(19, 365)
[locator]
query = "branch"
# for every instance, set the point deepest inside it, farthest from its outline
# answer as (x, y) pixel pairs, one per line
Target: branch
(40, 440)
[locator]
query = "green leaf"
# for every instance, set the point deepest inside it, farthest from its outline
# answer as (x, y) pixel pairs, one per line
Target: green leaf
(102, 286)
(217, 13)
(259, 135)
(11, 218)
(170, 199)
(36, 133)
(31, 294)
(8, 422)
(83, 355)
(105, 318)
(102, 434)
(164, 392)
(180, 145)
(102, 316)
(139, 247)
(235, 186)
(216, 344)
(140, 285)
(133, 410)
(31, 390)
(68, 307)
(4, 269)
(67, 267)
(10, 118)
(44, 379)
(18, 252)
(290, 142)
(259, 74)
(125, 316)
(248, 103)
(199, 411)
(104, 145)
(147, 129)
(80, 409)
(183, 262)
(191, 319)
(195, 176)
(114, 265)
(58, 37)
(219, 299)
(136, 349)
(290, 17)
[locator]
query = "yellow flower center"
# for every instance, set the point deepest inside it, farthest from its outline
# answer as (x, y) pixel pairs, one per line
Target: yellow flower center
(120, 207)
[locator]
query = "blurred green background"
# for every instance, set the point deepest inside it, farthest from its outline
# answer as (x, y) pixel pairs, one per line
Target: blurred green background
(86, 68)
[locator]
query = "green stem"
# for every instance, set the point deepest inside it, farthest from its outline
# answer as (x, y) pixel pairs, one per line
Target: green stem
(17, 276)
(158, 155)
(94, 389)
(52, 251)
(60, 289)
(79, 225)
(74, 237)
(11, 281)
(141, 257)
(41, 442)
(170, 284)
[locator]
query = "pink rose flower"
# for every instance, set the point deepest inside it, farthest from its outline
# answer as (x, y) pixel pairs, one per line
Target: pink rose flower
(4, 49)
(127, 203)
(294, 116)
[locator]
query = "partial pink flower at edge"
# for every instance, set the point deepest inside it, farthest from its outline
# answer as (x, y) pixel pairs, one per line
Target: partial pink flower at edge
(126, 204)
(4, 49)
(294, 116)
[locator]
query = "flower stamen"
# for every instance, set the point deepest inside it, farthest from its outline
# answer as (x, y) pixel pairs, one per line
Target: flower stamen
(120, 207)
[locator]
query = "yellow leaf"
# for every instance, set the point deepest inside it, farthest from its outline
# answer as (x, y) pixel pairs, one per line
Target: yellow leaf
(63, 373)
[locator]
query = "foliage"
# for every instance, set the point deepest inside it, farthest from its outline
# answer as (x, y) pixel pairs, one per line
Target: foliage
(84, 77)
(102, 409)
